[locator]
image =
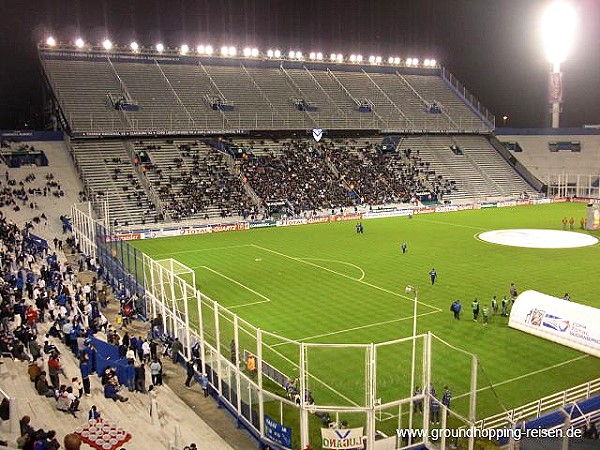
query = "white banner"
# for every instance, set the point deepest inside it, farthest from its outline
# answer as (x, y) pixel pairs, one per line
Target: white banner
(346, 439)
(567, 323)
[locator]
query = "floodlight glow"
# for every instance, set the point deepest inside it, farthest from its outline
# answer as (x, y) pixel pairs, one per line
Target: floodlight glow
(378, 60)
(200, 49)
(426, 63)
(254, 52)
(298, 55)
(433, 63)
(396, 60)
(208, 50)
(558, 30)
(312, 55)
(232, 51)
(224, 51)
(416, 61)
(107, 44)
(372, 59)
(319, 56)
(184, 49)
(277, 53)
(409, 62)
(358, 58)
(247, 52)
(160, 47)
(134, 46)
(50, 42)
(391, 60)
(340, 57)
(79, 43)
(332, 57)
(352, 58)
(269, 53)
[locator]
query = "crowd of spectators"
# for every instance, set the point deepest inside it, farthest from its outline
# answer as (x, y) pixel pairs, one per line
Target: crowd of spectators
(296, 173)
(335, 174)
(194, 182)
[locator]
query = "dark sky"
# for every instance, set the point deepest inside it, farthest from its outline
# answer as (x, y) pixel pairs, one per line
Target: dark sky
(492, 46)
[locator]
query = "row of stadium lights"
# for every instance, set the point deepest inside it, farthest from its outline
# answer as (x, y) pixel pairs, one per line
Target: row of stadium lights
(253, 53)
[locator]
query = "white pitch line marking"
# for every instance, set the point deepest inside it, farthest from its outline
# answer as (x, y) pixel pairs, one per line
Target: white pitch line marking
(339, 262)
(386, 322)
(520, 377)
(440, 222)
(202, 250)
(265, 298)
(374, 286)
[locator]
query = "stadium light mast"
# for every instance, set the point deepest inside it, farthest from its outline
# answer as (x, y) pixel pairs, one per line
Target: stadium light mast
(558, 31)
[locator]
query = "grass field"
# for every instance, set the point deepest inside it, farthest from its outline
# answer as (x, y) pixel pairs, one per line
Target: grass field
(326, 284)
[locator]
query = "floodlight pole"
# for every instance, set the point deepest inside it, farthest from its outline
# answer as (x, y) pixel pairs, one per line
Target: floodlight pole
(555, 93)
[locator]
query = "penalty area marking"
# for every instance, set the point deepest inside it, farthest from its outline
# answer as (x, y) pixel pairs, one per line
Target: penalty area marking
(374, 286)
(360, 327)
(362, 272)
(265, 298)
(182, 252)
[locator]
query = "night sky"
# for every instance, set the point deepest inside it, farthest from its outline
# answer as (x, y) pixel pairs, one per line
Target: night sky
(492, 46)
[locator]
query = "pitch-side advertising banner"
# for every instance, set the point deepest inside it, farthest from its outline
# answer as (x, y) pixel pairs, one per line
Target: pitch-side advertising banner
(568, 323)
(346, 439)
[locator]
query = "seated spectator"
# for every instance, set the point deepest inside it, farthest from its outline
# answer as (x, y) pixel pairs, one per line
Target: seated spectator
(111, 390)
(42, 387)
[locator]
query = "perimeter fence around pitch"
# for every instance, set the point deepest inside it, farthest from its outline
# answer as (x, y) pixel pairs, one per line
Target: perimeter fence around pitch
(368, 387)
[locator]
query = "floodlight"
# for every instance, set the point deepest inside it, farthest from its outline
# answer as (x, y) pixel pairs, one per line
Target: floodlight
(232, 51)
(358, 58)
(558, 30)
(247, 52)
(319, 56)
(312, 55)
(50, 42)
(416, 61)
(378, 60)
(254, 52)
(79, 43)
(340, 57)
(160, 47)
(433, 63)
(426, 63)
(333, 57)
(372, 59)
(391, 60)
(184, 49)
(270, 53)
(277, 53)
(291, 54)
(224, 51)
(208, 50)
(134, 46)
(298, 55)
(200, 49)
(352, 58)
(107, 44)
(396, 60)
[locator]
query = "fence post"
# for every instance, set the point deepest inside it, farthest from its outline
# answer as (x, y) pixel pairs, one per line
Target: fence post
(13, 420)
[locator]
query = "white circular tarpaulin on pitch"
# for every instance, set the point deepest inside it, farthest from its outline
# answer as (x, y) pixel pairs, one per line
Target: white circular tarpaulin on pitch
(538, 238)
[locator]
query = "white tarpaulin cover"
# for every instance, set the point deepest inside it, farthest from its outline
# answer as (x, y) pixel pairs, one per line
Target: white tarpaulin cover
(558, 320)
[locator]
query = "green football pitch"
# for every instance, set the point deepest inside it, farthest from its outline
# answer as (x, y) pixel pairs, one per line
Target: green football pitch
(325, 283)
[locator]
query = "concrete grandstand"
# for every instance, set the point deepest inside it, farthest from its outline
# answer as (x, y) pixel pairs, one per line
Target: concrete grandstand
(419, 122)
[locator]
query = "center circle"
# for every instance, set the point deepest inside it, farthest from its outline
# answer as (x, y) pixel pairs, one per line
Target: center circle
(532, 238)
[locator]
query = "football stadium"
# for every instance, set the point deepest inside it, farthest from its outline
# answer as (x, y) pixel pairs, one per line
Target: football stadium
(342, 250)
